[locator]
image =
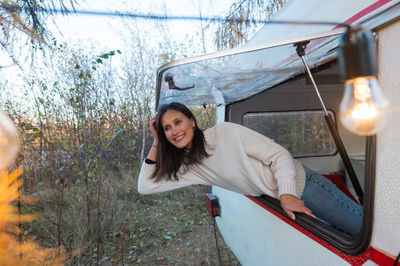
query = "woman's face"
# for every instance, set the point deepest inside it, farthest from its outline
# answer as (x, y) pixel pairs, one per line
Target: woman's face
(178, 128)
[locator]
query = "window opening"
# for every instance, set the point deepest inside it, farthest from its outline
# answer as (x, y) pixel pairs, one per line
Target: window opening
(303, 133)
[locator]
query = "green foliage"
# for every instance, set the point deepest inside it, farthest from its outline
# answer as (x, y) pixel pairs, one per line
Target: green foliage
(116, 137)
(111, 53)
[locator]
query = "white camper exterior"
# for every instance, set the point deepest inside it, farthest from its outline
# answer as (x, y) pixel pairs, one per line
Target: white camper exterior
(257, 233)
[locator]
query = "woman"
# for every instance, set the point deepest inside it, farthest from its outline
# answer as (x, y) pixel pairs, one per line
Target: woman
(238, 159)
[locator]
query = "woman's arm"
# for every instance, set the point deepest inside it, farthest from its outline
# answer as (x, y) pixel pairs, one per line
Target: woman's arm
(272, 155)
(146, 184)
(282, 165)
(154, 148)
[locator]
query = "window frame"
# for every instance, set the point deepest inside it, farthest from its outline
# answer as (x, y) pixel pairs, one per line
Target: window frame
(347, 244)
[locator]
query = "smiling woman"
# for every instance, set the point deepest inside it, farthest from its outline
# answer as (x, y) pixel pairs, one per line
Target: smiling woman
(241, 160)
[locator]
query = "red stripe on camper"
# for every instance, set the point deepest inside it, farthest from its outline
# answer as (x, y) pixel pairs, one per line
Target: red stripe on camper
(364, 12)
(370, 254)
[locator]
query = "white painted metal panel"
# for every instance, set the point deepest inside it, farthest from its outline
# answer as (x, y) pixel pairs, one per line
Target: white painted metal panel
(313, 10)
(369, 263)
(257, 237)
(386, 233)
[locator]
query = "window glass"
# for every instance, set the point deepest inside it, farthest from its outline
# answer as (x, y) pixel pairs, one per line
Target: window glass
(303, 133)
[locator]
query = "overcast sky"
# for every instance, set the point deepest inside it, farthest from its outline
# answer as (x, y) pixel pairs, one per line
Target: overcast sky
(107, 30)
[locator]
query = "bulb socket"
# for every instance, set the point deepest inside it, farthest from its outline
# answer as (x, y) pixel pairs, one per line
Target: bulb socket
(357, 54)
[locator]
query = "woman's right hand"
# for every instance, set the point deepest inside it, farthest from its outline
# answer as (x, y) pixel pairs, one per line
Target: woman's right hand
(291, 204)
(154, 148)
(153, 127)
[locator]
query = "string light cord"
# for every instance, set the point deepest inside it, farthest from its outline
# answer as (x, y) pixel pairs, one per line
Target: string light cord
(13, 8)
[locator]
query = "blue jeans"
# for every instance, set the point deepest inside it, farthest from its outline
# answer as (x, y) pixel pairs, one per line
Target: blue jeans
(329, 203)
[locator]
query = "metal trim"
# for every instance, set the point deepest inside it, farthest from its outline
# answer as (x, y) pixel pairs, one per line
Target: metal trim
(249, 49)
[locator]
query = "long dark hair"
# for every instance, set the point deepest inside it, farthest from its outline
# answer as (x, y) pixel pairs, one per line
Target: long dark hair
(171, 158)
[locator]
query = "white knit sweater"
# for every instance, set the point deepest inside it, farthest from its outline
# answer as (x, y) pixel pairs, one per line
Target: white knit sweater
(241, 160)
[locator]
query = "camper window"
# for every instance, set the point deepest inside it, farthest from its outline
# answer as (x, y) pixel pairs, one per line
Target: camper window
(303, 133)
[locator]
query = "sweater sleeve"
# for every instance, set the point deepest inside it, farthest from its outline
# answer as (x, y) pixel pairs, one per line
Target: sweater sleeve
(146, 185)
(271, 154)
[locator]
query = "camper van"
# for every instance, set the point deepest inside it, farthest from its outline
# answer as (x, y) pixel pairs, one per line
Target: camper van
(287, 95)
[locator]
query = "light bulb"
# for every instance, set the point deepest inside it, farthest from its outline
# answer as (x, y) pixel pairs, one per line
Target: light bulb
(8, 140)
(363, 109)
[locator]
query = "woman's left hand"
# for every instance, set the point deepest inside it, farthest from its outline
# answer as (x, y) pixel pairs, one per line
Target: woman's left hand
(290, 204)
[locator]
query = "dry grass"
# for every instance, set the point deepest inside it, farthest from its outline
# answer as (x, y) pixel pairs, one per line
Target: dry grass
(170, 228)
